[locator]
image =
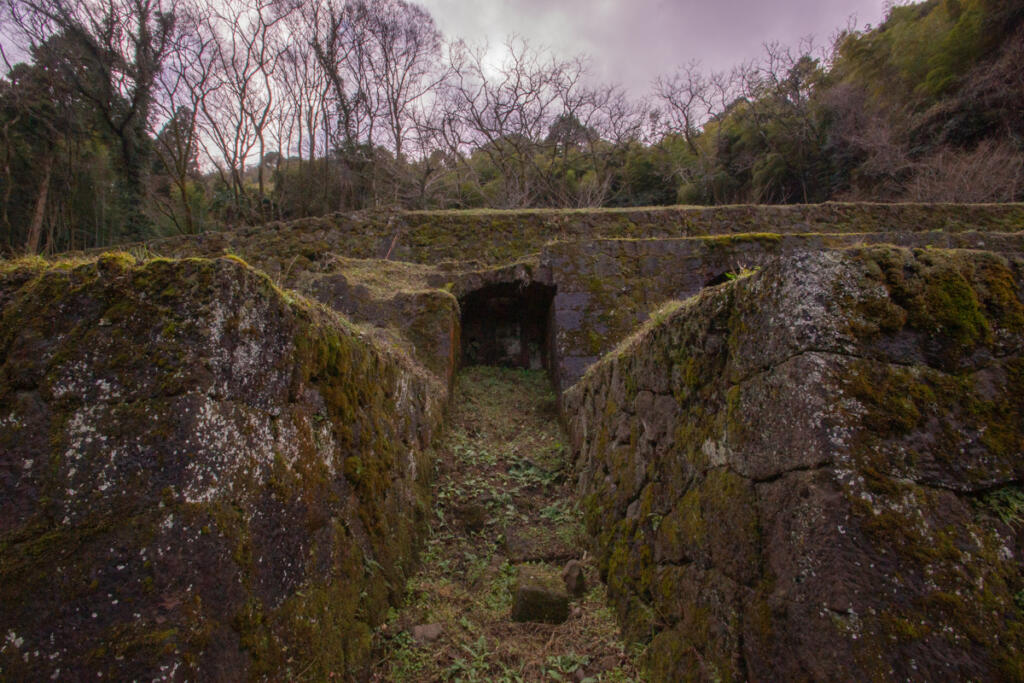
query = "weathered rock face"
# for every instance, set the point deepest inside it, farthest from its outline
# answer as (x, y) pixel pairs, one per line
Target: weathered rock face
(395, 273)
(791, 476)
(606, 287)
(199, 474)
(423, 320)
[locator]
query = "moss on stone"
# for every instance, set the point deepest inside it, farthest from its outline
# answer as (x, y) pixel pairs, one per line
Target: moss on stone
(72, 340)
(671, 500)
(961, 299)
(921, 401)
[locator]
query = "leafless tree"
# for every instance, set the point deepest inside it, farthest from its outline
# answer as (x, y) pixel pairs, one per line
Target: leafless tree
(595, 125)
(692, 104)
(182, 87)
(506, 111)
(864, 137)
(236, 112)
(302, 125)
(307, 89)
(992, 172)
(685, 102)
(341, 45)
(404, 47)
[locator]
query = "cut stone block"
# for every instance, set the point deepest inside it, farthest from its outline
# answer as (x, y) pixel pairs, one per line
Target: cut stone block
(540, 595)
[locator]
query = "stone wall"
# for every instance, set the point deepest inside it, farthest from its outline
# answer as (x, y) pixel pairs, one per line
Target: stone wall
(607, 287)
(805, 473)
(396, 272)
(395, 305)
(202, 476)
(494, 238)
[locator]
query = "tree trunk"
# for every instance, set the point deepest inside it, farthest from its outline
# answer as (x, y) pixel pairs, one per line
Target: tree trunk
(134, 160)
(190, 227)
(8, 183)
(35, 230)
(263, 152)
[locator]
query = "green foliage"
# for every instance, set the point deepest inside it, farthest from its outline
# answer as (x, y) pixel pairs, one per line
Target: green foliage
(560, 512)
(561, 667)
(741, 272)
(1006, 503)
(888, 116)
(920, 52)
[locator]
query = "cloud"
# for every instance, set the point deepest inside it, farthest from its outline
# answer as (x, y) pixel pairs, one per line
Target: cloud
(633, 41)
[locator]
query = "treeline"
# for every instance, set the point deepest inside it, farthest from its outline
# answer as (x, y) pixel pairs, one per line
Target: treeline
(133, 118)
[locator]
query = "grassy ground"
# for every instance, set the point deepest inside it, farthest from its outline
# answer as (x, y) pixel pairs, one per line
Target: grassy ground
(502, 498)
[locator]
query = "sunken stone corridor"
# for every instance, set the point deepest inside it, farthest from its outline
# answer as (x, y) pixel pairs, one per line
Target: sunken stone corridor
(740, 443)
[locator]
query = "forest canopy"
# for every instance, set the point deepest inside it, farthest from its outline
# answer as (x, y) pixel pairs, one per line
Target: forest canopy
(127, 119)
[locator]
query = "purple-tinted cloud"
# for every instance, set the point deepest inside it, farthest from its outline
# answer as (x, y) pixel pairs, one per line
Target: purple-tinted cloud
(633, 41)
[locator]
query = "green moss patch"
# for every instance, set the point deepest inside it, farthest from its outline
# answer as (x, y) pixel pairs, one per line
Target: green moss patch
(817, 504)
(207, 474)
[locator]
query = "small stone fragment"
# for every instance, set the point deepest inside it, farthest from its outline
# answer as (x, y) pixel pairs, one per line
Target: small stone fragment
(607, 663)
(575, 582)
(540, 595)
(424, 634)
(473, 516)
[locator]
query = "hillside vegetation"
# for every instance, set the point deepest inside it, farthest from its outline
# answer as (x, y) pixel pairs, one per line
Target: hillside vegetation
(137, 119)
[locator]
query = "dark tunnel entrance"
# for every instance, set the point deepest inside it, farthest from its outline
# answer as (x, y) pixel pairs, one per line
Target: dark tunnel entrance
(508, 324)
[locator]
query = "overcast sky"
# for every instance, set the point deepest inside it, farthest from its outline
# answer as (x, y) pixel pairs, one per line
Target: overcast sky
(632, 41)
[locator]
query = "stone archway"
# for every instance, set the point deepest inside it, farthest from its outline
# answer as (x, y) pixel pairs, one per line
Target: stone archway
(507, 324)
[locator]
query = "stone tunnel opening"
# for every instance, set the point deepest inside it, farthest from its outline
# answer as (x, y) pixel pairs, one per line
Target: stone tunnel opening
(508, 324)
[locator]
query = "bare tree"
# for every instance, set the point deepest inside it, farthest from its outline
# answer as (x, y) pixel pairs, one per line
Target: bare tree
(619, 122)
(586, 141)
(865, 140)
(403, 59)
(236, 112)
(992, 172)
(693, 105)
(307, 88)
(506, 112)
(685, 102)
(340, 42)
(187, 79)
(301, 128)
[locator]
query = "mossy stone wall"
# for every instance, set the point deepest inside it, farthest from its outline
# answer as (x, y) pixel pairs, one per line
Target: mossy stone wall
(394, 272)
(786, 476)
(232, 477)
(607, 287)
(202, 476)
(490, 238)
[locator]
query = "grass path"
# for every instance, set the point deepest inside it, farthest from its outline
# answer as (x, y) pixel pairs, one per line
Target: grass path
(502, 499)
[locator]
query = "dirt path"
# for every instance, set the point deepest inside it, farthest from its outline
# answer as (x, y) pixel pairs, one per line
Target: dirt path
(503, 502)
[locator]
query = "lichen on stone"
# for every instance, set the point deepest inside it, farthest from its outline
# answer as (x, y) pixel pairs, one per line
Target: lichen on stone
(811, 511)
(178, 497)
